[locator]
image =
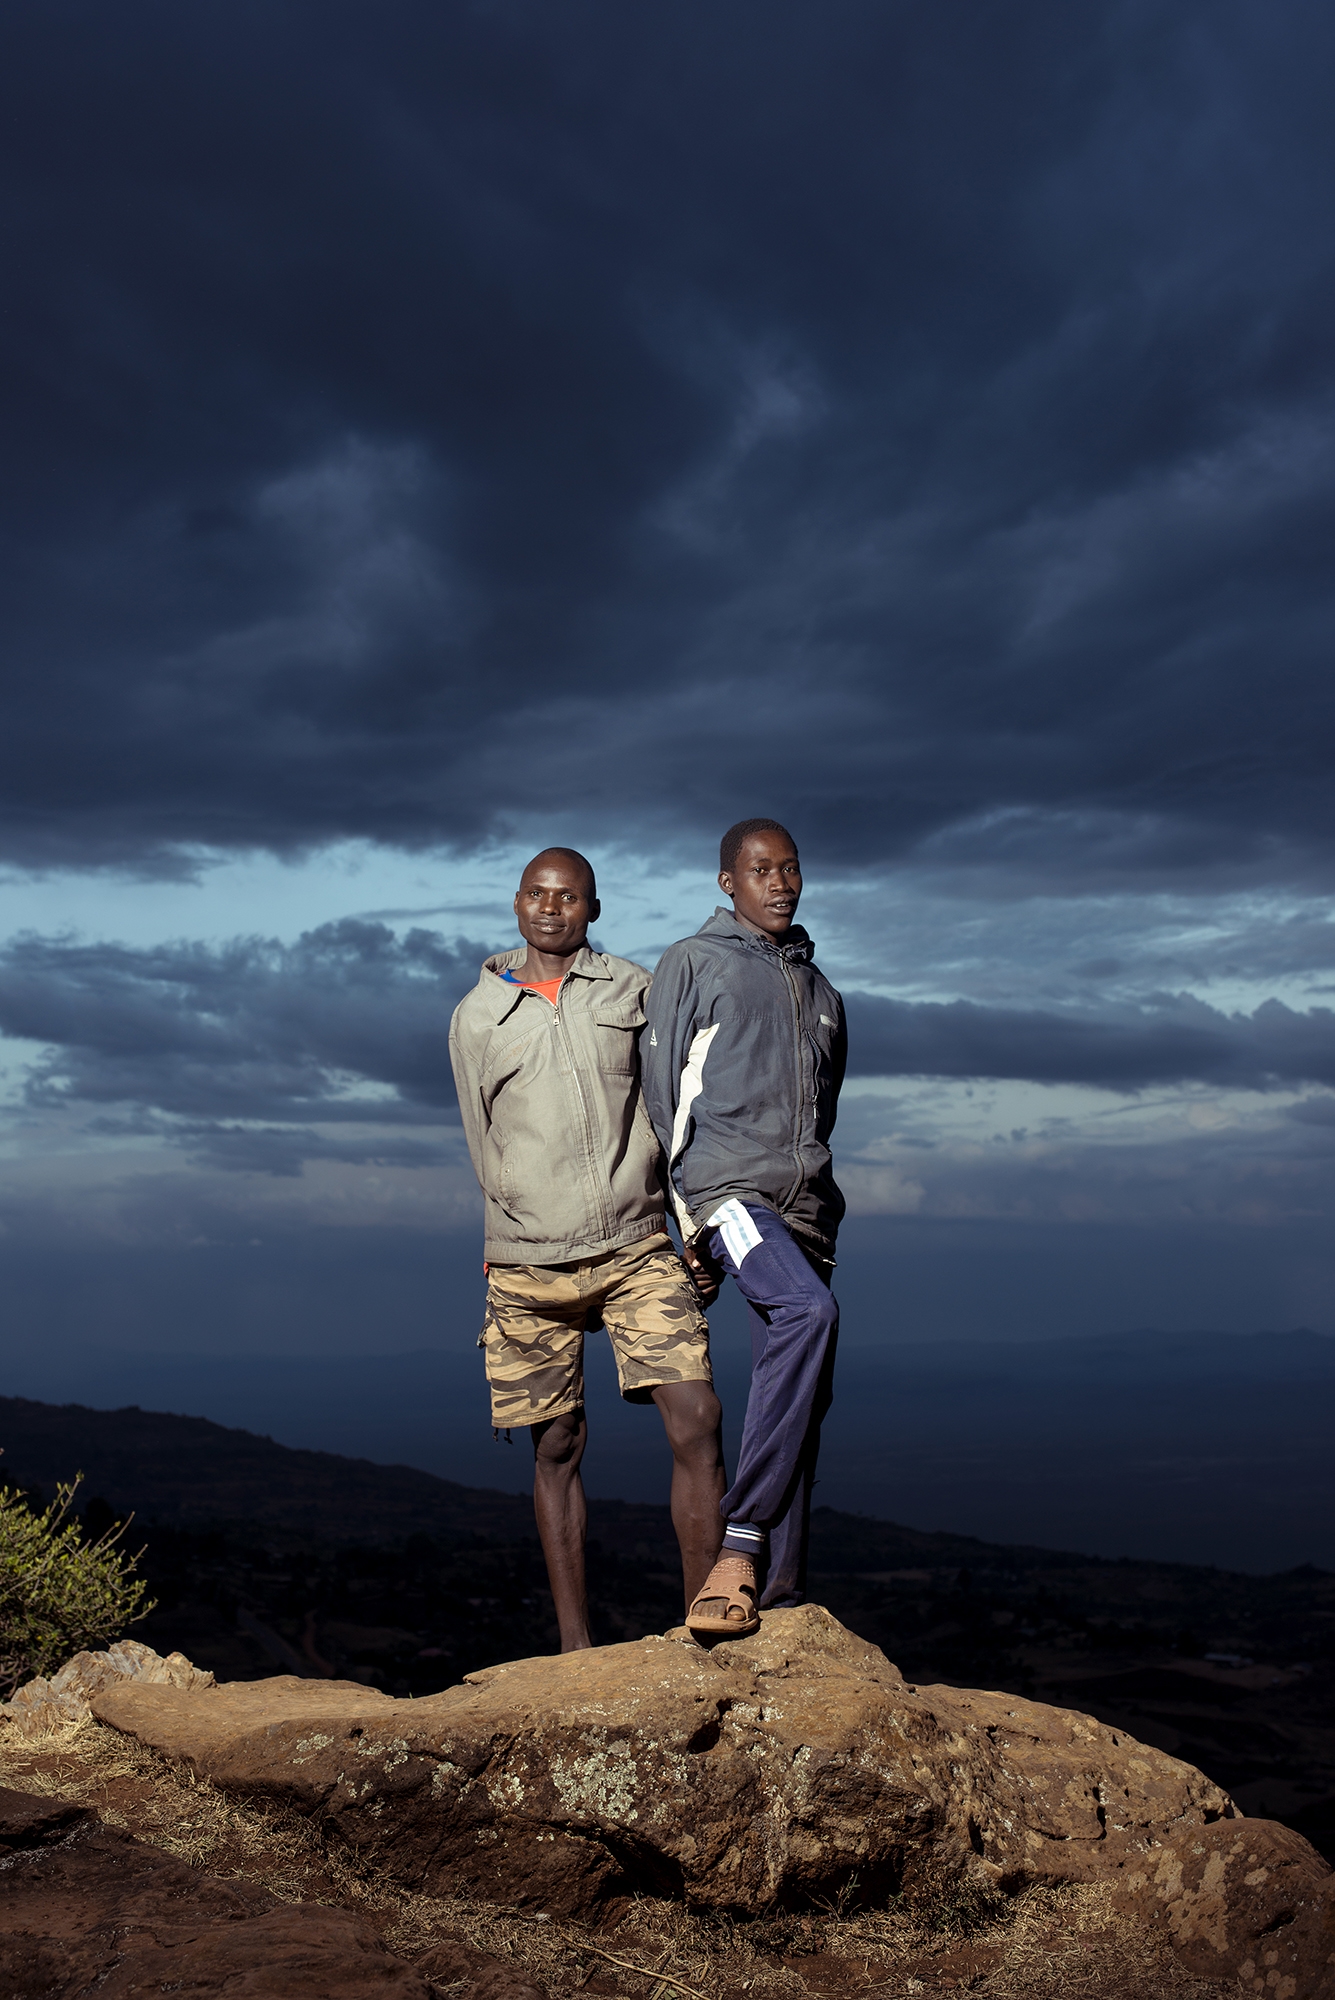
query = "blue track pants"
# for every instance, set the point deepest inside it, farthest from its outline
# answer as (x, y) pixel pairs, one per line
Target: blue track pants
(794, 1329)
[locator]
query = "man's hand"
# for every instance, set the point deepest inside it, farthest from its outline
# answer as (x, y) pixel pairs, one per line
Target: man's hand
(707, 1275)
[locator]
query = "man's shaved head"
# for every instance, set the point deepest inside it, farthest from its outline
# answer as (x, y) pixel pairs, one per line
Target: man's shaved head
(556, 902)
(565, 854)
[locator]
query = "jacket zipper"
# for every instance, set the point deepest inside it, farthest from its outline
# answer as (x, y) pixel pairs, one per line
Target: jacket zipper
(798, 1032)
(583, 1111)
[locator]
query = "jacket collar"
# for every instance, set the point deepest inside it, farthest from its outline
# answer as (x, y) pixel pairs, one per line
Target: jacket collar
(504, 996)
(797, 947)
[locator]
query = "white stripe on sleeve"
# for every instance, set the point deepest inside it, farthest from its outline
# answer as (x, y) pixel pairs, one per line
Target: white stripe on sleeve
(692, 1083)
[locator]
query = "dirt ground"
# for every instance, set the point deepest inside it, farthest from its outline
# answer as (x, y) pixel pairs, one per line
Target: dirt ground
(1045, 1945)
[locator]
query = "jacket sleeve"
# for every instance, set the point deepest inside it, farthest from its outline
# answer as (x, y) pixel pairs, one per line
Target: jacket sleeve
(465, 1061)
(670, 1011)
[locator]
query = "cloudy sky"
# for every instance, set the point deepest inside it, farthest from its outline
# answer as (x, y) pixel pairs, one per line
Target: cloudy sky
(435, 430)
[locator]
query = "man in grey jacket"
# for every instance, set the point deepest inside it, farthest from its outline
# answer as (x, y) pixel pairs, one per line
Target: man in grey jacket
(546, 1059)
(742, 1069)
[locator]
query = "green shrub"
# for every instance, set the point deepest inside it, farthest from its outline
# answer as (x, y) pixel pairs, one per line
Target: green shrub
(59, 1594)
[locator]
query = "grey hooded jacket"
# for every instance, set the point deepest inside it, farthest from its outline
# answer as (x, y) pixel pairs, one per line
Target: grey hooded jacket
(556, 1125)
(742, 1067)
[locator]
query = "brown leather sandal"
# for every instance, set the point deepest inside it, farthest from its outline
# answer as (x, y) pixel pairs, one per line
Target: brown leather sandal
(723, 1608)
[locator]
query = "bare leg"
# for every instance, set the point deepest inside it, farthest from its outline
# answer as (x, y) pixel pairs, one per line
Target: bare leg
(563, 1517)
(693, 1421)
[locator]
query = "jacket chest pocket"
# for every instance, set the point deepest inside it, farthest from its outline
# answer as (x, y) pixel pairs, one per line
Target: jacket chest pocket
(821, 1029)
(509, 1061)
(616, 1036)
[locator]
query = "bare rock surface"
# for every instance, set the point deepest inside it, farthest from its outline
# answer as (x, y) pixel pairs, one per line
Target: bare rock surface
(84, 1910)
(43, 1704)
(769, 1768)
(30, 1819)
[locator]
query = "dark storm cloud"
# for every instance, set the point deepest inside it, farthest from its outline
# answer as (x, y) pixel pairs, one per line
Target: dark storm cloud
(234, 1053)
(286, 1150)
(885, 417)
(283, 1150)
(1174, 1039)
(1313, 1111)
(254, 1030)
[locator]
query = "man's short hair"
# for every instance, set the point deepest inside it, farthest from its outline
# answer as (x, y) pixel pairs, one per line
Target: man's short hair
(570, 854)
(736, 837)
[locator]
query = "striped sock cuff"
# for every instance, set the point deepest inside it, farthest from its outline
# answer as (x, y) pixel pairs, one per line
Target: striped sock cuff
(741, 1538)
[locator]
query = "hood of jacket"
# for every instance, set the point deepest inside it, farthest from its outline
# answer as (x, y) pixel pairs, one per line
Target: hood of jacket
(797, 947)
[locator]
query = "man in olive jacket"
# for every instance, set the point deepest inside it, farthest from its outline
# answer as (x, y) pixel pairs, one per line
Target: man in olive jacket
(546, 1059)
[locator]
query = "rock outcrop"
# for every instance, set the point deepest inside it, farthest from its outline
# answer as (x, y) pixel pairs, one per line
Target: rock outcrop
(44, 1704)
(1246, 1901)
(86, 1909)
(767, 1769)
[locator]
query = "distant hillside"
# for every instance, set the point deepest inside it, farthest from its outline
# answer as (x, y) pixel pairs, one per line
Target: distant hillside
(185, 1473)
(1200, 1447)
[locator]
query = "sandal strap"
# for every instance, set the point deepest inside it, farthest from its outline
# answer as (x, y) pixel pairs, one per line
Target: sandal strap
(742, 1595)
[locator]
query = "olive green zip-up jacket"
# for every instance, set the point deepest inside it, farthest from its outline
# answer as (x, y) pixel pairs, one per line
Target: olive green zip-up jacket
(556, 1126)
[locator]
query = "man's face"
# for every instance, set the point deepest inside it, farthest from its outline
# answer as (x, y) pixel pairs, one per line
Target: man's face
(554, 906)
(766, 882)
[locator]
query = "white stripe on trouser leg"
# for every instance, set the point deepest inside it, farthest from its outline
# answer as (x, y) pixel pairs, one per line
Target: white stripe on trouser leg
(738, 1230)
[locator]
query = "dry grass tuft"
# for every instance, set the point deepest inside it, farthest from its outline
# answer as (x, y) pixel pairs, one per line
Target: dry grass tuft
(1063, 1944)
(139, 1792)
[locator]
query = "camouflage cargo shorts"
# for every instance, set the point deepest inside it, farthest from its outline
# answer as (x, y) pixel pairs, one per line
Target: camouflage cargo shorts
(533, 1334)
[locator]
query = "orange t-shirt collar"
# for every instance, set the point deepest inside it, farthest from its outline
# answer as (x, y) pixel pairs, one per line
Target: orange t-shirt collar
(549, 988)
